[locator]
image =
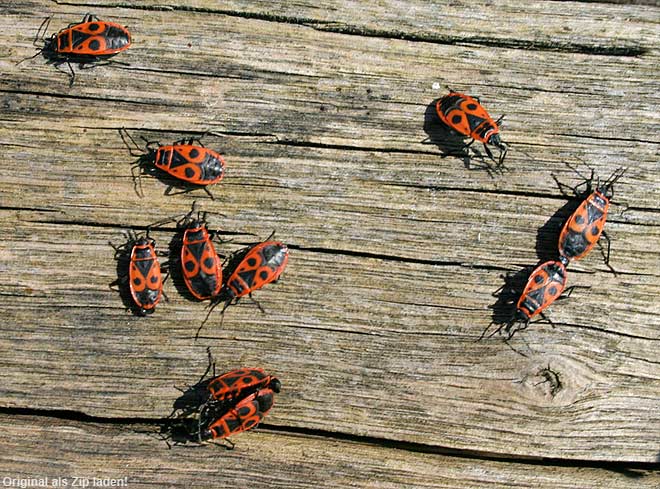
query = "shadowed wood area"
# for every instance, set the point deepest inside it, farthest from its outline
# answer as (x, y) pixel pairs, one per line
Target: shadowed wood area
(325, 116)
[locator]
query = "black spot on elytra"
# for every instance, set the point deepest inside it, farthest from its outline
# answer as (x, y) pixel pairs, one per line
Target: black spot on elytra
(137, 281)
(252, 261)
(154, 280)
(190, 265)
(457, 119)
(472, 106)
(263, 275)
(93, 27)
(208, 262)
(553, 290)
(189, 172)
(538, 279)
(94, 45)
(194, 153)
(595, 230)
(579, 219)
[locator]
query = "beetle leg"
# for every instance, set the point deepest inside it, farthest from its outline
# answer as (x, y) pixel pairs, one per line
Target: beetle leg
(606, 256)
(208, 192)
(257, 303)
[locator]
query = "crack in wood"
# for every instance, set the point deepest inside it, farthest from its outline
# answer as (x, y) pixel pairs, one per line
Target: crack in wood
(629, 468)
(83, 97)
(605, 138)
(351, 30)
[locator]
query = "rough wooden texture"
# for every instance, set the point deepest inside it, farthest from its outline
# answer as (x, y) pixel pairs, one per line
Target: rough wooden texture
(92, 450)
(324, 115)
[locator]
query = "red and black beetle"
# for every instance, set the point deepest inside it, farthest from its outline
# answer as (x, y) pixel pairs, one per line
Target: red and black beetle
(140, 268)
(187, 161)
(466, 115)
(87, 42)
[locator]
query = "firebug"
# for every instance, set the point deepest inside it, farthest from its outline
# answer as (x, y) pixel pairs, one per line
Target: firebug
(187, 161)
(200, 264)
(240, 383)
(145, 281)
(87, 42)
(252, 268)
(545, 285)
(247, 414)
(585, 226)
(466, 115)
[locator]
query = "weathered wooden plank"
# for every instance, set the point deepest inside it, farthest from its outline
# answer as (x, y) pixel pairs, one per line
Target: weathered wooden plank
(544, 25)
(364, 346)
(396, 251)
(331, 84)
(320, 198)
(130, 456)
(355, 113)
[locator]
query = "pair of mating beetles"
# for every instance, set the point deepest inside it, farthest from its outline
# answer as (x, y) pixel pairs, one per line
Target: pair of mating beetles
(223, 405)
(579, 235)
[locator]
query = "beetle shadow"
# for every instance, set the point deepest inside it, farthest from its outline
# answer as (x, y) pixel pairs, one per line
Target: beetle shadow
(504, 307)
(193, 398)
(192, 410)
(547, 236)
(180, 431)
(235, 258)
(450, 143)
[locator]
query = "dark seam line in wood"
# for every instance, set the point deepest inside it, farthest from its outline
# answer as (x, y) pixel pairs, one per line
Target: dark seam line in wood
(606, 331)
(380, 332)
(645, 360)
(224, 76)
(214, 132)
(652, 3)
(347, 147)
(491, 86)
(200, 74)
(329, 251)
(29, 209)
(375, 149)
(458, 453)
(604, 138)
(307, 327)
(334, 27)
(527, 45)
(18, 145)
(421, 304)
(342, 147)
(520, 193)
(399, 259)
(499, 192)
(627, 468)
(83, 97)
(644, 209)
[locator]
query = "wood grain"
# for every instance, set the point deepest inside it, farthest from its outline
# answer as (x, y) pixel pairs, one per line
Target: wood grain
(325, 117)
(92, 450)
